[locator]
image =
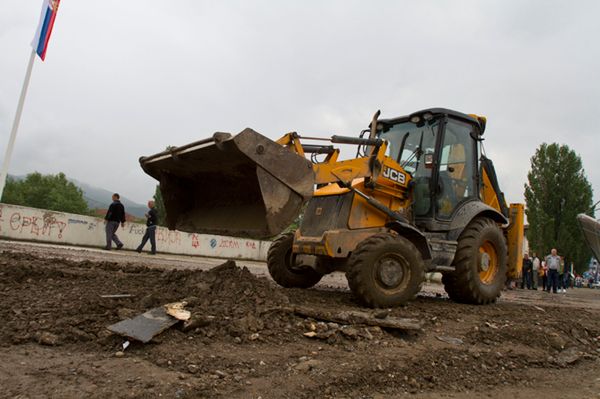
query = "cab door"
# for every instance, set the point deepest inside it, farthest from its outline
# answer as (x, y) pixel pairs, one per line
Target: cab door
(456, 180)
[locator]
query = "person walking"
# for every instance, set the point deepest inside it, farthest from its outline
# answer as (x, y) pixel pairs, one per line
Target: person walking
(536, 267)
(527, 271)
(553, 264)
(114, 216)
(151, 221)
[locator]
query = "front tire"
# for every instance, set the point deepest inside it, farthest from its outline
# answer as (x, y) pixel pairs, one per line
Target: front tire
(385, 270)
(279, 263)
(480, 264)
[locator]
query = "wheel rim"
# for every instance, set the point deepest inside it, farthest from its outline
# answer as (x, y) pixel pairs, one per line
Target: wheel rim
(487, 262)
(391, 271)
(289, 258)
(289, 264)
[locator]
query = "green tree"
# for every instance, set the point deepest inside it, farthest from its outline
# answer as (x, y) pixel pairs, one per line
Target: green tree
(159, 205)
(557, 190)
(52, 192)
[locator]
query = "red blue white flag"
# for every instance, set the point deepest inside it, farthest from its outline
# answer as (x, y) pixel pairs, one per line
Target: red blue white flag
(44, 30)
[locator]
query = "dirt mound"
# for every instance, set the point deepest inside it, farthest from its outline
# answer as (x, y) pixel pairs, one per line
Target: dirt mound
(60, 301)
(243, 340)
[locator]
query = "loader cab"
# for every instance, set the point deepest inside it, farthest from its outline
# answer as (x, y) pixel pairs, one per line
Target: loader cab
(438, 147)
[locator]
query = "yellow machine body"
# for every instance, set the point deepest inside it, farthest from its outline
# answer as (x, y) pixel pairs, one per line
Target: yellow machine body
(428, 192)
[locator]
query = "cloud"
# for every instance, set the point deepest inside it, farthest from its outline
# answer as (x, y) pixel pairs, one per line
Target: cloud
(147, 74)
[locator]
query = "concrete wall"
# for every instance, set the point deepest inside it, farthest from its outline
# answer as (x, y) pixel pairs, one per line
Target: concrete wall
(21, 223)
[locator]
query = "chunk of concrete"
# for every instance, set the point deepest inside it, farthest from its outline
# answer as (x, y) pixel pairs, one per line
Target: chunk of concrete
(145, 326)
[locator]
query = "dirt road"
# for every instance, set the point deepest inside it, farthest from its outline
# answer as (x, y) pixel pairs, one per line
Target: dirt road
(246, 344)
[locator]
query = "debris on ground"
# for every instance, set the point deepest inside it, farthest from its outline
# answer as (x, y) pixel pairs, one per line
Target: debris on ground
(176, 310)
(116, 296)
(357, 317)
(145, 326)
(247, 337)
(450, 340)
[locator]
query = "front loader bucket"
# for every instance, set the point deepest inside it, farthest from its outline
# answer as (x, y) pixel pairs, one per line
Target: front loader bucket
(244, 185)
(591, 231)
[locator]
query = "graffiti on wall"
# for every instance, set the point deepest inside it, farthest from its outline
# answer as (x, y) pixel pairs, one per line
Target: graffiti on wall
(137, 229)
(231, 243)
(47, 225)
(89, 224)
(195, 241)
(39, 225)
(167, 236)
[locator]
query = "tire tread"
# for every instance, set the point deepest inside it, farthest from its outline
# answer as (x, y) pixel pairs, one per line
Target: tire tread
(463, 285)
(356, 276)
(279, 271)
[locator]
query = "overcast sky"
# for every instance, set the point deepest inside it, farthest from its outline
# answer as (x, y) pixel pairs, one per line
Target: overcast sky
(127, 78)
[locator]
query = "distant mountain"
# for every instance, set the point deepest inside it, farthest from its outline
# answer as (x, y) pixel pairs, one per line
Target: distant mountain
(100, 198)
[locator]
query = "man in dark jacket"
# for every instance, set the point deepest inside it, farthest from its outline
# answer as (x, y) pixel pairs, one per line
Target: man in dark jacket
(151, 221)
(527, 271)
(114, 216)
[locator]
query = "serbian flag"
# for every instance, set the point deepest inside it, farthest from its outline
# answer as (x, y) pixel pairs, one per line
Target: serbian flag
(42, 35)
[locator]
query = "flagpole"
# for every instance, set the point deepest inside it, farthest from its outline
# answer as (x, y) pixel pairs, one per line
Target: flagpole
(15, 126)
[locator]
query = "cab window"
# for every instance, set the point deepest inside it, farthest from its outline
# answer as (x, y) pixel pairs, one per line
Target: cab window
(410, 145)
(456, 180)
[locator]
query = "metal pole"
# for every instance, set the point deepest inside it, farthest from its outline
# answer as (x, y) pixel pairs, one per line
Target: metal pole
(15, 126)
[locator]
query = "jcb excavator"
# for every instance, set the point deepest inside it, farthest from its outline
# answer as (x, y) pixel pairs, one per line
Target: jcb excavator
(420, 196)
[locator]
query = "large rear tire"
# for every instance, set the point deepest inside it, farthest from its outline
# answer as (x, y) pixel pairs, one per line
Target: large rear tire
(480, 264)
(279, 263)
(385, 270)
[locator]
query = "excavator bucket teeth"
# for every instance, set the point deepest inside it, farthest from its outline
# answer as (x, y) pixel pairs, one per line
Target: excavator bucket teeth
(244, 185)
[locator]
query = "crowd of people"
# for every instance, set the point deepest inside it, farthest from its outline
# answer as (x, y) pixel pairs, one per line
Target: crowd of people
(549, 273)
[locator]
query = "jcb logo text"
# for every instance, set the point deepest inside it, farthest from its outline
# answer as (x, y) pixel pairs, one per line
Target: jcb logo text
(394, 175)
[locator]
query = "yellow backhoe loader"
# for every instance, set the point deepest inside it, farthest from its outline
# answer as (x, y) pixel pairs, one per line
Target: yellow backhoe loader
(420, 196)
